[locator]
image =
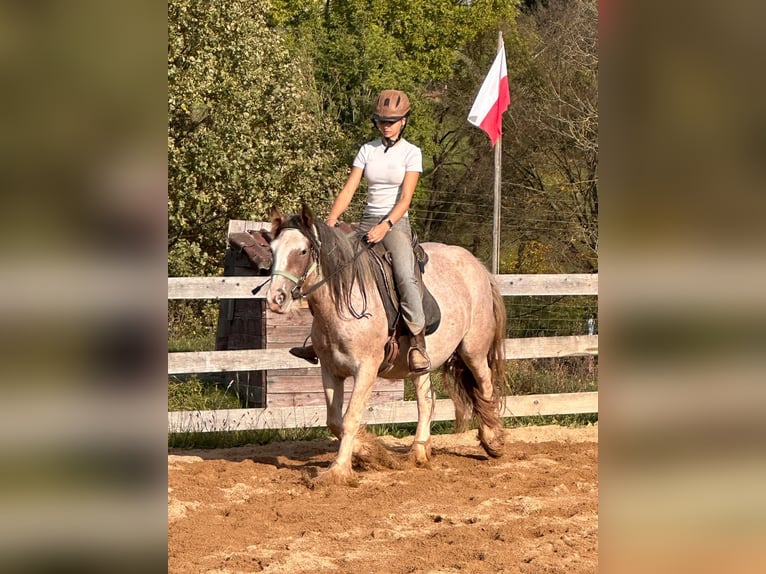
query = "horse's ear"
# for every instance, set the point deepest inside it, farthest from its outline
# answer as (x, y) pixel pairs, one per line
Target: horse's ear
(277, 219)
(307, 216)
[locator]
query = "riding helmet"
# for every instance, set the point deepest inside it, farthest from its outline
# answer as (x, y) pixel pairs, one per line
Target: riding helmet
(391, 105)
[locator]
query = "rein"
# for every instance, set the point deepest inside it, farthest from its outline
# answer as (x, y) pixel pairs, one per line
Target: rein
(324, 280)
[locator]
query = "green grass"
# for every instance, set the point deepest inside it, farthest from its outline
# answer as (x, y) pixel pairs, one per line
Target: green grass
(205, 440)
(192, 394)
(551, 376)
(191, 325)
(572, 421)
(191, 343)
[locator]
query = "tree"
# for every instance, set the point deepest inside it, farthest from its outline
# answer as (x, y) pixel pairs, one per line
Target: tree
(550, 145)
(269, 101)
(552, 151)
(364, 46)
(246, 128)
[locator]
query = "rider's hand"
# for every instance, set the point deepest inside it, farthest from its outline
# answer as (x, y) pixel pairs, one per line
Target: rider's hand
(377, 233)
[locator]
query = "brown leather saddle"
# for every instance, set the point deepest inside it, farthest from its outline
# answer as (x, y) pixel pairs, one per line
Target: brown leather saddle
(384, 278)
(384, 275)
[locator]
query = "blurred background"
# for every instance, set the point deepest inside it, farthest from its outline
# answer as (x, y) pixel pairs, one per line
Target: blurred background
(83, 224)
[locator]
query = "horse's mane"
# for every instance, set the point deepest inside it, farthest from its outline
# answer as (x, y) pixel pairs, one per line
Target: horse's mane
(344, 260)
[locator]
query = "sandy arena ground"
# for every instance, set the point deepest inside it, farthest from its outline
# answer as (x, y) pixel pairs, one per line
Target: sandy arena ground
(256, 509)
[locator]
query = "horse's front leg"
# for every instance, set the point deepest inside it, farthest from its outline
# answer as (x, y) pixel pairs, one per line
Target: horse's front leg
(333, 394)
(421, 445)
(340, 471)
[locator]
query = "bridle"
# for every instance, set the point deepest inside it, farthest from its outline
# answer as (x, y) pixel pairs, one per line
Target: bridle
(297, 291)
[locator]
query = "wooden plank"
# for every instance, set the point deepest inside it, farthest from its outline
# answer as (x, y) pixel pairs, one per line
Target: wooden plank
(386, 413)
(289, 320)
(298, 315)
(510, 285)
(262, 359)
(306, 372)
(244, 360)
(548, 284)
(214, 287)
(515, 406)
(314, 384)
(551, 404)
(318, 399)
(244, 225)
(286, 345)
(540, 347)
(286, 335)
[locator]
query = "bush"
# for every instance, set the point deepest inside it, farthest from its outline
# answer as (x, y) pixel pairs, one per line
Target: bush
(246, 130)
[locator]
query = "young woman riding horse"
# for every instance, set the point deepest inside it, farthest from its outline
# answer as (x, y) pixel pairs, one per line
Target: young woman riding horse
(392, 166)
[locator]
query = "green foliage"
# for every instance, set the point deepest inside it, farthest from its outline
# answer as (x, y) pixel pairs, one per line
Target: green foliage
(194, 394)
(245, 131)
(552, 152)
(550, 316)
(364, 46)
(571, 421)
(552, 375)
(269, 101)
(192, 325)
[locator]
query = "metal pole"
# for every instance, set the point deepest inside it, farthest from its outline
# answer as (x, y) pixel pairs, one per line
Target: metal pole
(496, 212)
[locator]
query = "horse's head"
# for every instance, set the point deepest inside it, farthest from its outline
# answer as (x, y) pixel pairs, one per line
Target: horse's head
(295, 250)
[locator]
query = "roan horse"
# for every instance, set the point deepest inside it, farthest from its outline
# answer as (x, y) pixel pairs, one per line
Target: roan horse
(333, 271)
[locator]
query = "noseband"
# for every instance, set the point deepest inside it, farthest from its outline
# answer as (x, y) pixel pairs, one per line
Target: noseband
(297, 291)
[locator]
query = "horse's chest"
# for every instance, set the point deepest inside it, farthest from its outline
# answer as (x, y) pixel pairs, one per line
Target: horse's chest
(343, 350)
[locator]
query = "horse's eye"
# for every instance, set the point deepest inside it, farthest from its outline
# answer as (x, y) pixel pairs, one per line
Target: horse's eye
(303, 252)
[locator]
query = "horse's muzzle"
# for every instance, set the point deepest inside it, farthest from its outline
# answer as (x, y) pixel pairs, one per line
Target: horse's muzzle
(279, 301)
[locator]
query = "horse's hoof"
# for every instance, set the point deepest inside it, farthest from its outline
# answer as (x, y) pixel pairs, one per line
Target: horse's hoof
(493, 444)
(336, 476)
(420, 453)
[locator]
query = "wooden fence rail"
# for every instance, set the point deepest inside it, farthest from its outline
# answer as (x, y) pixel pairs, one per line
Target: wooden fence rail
(510, 285)
(386, 413)
(265, 359)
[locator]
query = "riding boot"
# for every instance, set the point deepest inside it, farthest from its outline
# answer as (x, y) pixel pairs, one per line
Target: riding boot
(306, 353)
(417, 358)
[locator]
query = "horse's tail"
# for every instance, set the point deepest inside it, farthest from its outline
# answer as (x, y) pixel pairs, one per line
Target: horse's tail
(464, 389)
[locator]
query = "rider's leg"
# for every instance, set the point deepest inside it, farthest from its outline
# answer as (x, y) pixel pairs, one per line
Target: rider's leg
(399, 242)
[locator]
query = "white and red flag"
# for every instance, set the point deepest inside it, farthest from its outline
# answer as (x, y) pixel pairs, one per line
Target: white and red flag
(493, 99)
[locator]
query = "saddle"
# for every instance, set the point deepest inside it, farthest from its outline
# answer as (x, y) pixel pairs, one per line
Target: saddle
(384, 279)
(384, 275)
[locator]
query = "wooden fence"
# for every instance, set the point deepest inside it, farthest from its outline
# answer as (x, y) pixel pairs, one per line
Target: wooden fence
(386, 413)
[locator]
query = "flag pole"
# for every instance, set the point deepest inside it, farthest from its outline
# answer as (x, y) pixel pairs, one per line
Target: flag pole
(496, 209)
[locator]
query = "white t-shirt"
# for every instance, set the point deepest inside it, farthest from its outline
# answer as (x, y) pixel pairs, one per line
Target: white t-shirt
(384, 171)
